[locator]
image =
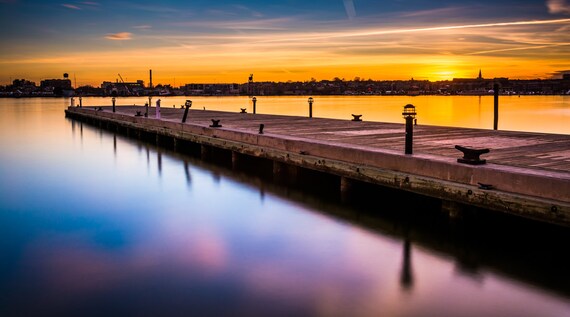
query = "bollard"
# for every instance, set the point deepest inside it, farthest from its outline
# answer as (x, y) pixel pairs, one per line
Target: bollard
(356, 117)
(80, 102)
(113, 101)
(215, 124)
(254, 100)
(146, 109)
(409, 114)
(471, 156)
(188, 104)
(310, 100)
(261, 126)
(242, 110)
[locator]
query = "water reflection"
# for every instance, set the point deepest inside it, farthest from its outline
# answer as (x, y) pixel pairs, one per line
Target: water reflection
(406, 277)
(187, 173)
(108, 239)
(159, 162)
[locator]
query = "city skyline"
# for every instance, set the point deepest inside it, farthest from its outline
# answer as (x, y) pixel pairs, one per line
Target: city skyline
(225, 41)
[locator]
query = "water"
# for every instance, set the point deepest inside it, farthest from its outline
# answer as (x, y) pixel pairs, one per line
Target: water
(547, 114)
(94, 223)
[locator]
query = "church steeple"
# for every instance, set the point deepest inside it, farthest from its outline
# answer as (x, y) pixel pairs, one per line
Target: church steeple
(480, 76)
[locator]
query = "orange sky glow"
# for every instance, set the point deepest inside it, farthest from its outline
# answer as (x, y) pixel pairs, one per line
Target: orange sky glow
(273, 50)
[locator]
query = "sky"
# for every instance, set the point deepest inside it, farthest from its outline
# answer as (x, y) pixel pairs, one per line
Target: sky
(224, 41)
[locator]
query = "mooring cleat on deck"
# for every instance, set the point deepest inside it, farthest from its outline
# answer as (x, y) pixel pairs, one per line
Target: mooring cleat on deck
(215, 124)
(471, 156)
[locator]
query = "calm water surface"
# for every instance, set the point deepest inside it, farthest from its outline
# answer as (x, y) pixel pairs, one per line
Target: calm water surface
(94, 223)
(548, 114)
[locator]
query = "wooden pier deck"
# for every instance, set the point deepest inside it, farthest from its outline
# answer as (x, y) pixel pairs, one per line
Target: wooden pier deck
(528, 173)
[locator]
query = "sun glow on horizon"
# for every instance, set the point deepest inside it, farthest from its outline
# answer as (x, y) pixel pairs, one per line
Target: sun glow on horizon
(278, 47)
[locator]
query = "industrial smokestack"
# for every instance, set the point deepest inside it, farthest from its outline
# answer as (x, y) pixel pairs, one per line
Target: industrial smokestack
(150, 84)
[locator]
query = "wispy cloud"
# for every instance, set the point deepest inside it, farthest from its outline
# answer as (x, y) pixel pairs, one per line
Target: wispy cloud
(249, 11)
(121, 36)
(442, 28)
(439, 12)
(350, 10)
(90, 3)
(558, 6)
(142, 27)
(534, 47)
(154, 8)
(259, 24)
(71, 6)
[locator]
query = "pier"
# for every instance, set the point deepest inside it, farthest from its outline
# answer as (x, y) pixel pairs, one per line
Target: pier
(518, 173)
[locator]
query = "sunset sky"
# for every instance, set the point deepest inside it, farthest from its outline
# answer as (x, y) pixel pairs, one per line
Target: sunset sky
(205, 41)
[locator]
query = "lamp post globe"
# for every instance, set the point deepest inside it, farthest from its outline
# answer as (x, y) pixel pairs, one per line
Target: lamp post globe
(409, 111)
(409, 114)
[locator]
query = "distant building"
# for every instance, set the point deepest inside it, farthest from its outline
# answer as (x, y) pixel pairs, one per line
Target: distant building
(211, 89)
(123, 88)
(59, 87)
(56, 83)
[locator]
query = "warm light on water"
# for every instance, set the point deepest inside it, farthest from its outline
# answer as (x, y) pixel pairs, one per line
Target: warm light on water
(97, 224)
(548, 114)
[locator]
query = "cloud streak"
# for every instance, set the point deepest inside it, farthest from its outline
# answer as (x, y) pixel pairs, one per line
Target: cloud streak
(71, 6)
(441, 28)
(558, 6)
(121, 36)
(518, 48)
(350, 10)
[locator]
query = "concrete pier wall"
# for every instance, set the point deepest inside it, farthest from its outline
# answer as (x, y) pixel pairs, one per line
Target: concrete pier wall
(530, 193)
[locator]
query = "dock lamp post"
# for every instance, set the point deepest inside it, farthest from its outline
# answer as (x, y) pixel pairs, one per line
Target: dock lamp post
(310, 100)
(254, 100)
(188, 104)
(147, 105)
(113, 100)
(409, 114)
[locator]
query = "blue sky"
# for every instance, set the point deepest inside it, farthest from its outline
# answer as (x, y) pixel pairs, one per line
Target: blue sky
(353, 37)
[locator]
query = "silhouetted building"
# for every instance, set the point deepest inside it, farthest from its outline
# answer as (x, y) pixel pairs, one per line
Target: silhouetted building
(123, 88)
(58, 87)
(211, 89)
(56, 83)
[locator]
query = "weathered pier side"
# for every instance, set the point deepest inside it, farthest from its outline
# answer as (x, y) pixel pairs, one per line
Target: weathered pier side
(526, 174)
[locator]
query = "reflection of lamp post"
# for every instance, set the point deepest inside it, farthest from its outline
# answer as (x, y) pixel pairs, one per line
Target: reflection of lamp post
(406, 276)
(254, 100)
(310, 107)
(113, 101)
(409, 114)
(188, 104)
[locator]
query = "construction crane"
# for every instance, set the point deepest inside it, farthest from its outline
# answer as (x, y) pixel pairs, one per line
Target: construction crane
(124, 85)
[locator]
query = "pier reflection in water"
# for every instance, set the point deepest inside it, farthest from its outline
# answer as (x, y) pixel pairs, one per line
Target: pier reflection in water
(95, 222)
